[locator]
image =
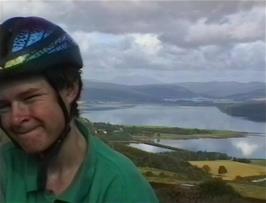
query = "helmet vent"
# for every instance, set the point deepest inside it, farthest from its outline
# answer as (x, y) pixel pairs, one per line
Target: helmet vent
(5, 37)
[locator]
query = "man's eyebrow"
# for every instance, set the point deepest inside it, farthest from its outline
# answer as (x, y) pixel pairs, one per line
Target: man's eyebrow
(25, 93)
(29, 91)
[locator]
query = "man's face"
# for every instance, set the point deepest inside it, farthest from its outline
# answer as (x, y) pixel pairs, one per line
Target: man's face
(30, 113)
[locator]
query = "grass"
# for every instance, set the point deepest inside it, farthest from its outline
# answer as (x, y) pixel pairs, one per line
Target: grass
(261, 162)
(215, 135)
(155, 175)
(247, 190)
(234, 169)
(251, 191)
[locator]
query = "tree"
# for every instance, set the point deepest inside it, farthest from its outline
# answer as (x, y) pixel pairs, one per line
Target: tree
(206, 168)
(222, 170)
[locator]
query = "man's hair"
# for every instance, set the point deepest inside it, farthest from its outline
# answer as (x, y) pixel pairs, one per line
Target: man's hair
(66, 76)
(60, 77)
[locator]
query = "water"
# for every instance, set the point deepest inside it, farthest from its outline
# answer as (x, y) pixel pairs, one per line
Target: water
(207, 117)
(247, 147)
(149, 148)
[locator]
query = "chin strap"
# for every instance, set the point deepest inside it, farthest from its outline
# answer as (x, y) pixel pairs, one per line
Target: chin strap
(51, 153)
(48, 156)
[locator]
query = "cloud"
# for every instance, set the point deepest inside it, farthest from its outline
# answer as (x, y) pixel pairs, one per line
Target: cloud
(162, 41)
(247, 149)
(238, 27)
(149, 43)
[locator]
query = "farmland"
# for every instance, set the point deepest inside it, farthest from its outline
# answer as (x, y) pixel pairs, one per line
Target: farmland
(247, 179)
(234, 169)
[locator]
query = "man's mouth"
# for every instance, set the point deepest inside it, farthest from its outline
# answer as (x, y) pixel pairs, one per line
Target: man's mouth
(26, 132)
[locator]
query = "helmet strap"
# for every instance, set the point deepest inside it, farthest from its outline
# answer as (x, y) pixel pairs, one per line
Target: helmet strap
(51, 153)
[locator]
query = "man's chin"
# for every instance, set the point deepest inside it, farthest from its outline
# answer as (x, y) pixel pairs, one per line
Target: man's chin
(32, 149)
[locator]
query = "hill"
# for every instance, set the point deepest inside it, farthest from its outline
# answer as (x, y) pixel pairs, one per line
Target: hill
(255, 111)
(227, 89)
(181, 93)
(108, 92)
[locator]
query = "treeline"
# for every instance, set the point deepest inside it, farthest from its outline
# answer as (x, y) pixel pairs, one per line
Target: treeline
(171, 161)
(139, 130)
(164, 161)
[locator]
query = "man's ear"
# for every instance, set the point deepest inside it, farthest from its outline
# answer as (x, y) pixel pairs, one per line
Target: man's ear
(70, 93)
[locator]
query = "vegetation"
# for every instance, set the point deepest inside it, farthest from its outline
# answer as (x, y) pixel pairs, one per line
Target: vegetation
(164, 161)
(261, 162)
(155, 132)
(222, 170)
(216, 187)
(206, 168)
(249, 190)
(168, 172)
(234, 169)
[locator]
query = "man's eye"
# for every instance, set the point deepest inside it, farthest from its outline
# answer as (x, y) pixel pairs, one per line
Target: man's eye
(4, 109)
(31, 97)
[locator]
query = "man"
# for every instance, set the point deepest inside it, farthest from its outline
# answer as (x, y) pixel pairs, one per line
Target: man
(53, 156)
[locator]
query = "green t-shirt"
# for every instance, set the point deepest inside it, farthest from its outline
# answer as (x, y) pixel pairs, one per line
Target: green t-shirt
(105, 176)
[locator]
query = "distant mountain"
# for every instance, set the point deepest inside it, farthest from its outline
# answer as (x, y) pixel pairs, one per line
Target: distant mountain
(226, 89)
(182, 92)
(166, 91)
(95, 91)
(252, 95)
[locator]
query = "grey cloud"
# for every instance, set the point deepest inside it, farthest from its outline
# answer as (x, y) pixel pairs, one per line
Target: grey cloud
(172, 20)
(200, 40)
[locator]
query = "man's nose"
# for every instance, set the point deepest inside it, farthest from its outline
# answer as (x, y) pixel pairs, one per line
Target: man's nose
(19, 113)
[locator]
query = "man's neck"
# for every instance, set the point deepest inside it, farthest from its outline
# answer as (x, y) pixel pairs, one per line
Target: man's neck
(62, 171)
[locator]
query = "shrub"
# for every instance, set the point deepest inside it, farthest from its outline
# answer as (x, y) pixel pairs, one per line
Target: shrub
(206, 168)
(148, 174)
(216, 187)
(222, 170)
(162, 174)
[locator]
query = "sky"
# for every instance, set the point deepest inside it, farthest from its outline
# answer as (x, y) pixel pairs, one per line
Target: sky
(146, 42)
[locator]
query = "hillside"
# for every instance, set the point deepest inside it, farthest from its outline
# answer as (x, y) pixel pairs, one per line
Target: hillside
(255, 111)
(227, 89)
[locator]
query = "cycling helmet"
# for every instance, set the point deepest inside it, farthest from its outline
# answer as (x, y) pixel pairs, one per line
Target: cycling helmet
(33, 44)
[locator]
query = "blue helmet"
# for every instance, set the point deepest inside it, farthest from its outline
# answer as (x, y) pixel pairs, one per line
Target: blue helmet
(33, 44)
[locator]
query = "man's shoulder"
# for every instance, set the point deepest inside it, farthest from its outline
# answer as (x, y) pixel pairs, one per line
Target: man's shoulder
(7, 148)
(105, 154)
(110, 156)
(8, 152)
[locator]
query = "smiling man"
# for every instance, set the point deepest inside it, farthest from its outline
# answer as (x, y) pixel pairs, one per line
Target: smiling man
(52, 155)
